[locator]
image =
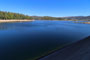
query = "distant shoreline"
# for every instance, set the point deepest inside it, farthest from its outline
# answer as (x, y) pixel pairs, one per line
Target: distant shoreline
(3, 21)
(86, 22)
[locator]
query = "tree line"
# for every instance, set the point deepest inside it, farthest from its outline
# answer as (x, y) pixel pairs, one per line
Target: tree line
(10, 15)
(47, 18)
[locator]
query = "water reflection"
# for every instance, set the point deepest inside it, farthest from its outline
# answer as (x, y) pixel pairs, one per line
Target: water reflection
(29, 40)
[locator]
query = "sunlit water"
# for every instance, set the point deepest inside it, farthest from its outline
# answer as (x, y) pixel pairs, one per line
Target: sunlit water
(30, 40)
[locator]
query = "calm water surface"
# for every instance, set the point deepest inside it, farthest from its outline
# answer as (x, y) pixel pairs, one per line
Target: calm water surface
(29, 40)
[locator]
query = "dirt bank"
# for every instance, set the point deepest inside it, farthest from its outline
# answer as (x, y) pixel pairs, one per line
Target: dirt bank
(2, 21)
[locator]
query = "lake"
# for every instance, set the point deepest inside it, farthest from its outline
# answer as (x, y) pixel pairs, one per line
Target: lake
(30, 40)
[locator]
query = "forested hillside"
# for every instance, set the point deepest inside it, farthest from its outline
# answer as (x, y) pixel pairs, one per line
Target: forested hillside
(47, 18)
(9, 15)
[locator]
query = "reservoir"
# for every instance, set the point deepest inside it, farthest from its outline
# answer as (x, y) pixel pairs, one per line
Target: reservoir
(31, 40)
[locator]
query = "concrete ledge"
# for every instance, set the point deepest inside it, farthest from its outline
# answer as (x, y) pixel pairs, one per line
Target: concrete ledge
(76, 51)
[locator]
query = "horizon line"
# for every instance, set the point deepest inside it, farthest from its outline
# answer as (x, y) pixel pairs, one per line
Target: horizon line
(47, 15)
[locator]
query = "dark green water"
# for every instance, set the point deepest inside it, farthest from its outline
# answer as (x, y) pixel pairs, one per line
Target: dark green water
(30, 40)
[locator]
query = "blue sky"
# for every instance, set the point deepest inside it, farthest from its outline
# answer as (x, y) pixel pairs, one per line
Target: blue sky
(57, 8)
